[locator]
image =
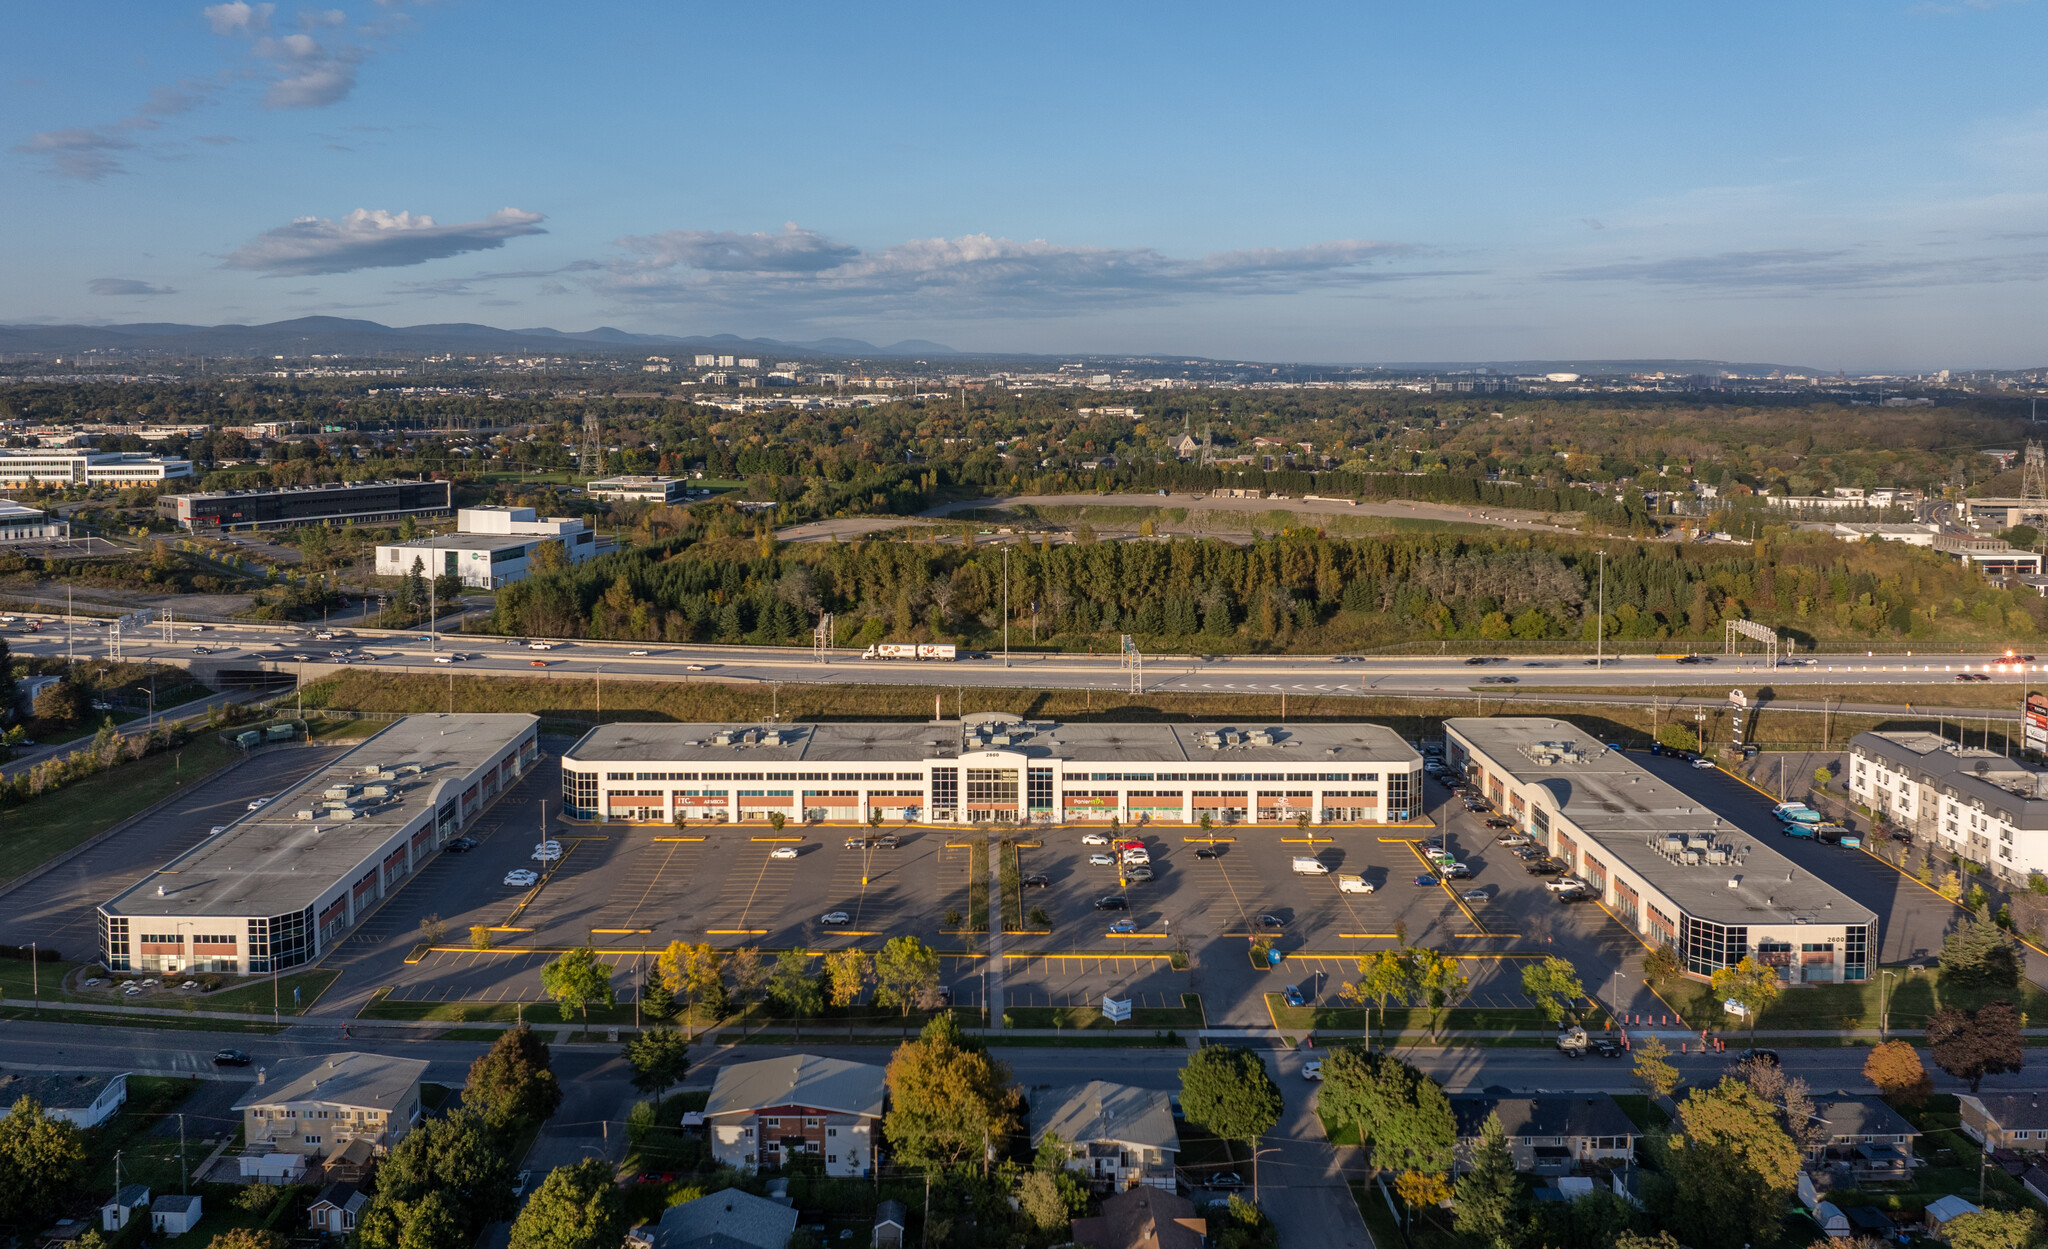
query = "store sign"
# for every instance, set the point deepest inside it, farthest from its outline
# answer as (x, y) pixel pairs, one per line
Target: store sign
(2035, 730)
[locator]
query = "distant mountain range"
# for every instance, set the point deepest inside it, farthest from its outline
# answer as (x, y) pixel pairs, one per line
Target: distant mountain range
(306, 336)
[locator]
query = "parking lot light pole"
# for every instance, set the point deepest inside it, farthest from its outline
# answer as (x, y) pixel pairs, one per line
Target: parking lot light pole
(1884, 1012)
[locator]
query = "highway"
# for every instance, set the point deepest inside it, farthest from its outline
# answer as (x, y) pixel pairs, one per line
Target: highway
(1920, 680)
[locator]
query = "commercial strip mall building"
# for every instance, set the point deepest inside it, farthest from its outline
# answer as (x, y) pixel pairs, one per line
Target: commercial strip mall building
(1669, 868)
(283, 885)
(993, 768)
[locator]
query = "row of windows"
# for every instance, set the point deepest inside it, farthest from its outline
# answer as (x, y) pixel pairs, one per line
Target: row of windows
(1297, 777)
(757, 776)
(1225, 776)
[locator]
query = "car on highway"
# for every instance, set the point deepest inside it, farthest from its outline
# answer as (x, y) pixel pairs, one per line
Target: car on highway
(639, 654)
(1123, 928)
(1312, 1069)
(1209, 852)
(521, 877)
(230, 1058)
(782, 852)
(835, 919)
(1038, 881)
(1113, 902)
(202, 650)
(695, 668)
(257, 804)
(532, 646)
(1094, 839)
(1102, 860)
(1500, 680)
(536, 663)
(442, 659)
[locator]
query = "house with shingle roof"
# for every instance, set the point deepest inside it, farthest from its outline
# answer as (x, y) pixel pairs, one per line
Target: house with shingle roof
(762, 1114)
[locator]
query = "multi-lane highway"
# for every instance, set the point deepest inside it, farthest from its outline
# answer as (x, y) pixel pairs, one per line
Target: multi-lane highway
(1920, 679)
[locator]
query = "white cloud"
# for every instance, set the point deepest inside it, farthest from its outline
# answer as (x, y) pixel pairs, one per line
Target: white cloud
(83, 152)
(374, 239)
(239, 18)
(973, 272)
(126, 286)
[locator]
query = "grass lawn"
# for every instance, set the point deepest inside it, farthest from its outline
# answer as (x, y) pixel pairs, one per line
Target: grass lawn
(146, 1159)
(1913, 995)
(251, 999)
(1187, 1015)
(52, 823)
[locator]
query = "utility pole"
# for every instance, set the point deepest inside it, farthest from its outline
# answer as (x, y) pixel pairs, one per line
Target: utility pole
(1600, 629)
(1006, 601)
(184, 1185)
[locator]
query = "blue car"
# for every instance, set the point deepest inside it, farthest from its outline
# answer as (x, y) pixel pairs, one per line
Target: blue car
(1425, 879)
(1294, 996)
(1125, 926)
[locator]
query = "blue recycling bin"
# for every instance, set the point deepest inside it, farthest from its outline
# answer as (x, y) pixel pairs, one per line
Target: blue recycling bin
(1272, 958)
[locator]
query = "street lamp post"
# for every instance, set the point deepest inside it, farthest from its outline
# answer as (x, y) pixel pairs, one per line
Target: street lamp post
(1006, 605)
(1884, 1011)
(1700, 718)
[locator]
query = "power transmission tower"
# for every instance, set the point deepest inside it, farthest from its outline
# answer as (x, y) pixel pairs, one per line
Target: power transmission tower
(2034, 474)
(821, 639)
(1133, 662)
(593, 446)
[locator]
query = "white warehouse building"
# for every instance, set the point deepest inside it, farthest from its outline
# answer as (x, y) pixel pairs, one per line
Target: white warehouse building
(283, 885)
(491, 547)
(1673, 871)
(58, 469)
(992, 767)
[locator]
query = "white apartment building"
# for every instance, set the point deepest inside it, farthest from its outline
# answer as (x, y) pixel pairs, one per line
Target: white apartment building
(992, 767)
(1969, 801)
(59, 468)
(492, 546)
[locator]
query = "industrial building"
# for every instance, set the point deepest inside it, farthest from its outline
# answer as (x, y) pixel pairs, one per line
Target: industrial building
(638, 490)
(283, 885)
(29, 524)
(991, 767)
(334, 503)
(59, 469)
(492, 547)
(1667, 867)
(1976, 803)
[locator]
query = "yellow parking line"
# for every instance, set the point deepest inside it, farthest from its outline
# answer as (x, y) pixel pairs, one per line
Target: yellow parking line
(619, 931)
(736, 932)
(1367, 936)
(1405, 841)
(679, 839)
(1124, 936)
(1307, 841)
(1212, 841)
(774, 839)
(507, 928)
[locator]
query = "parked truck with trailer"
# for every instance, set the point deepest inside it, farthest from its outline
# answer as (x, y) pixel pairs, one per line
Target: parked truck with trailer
(943, 651)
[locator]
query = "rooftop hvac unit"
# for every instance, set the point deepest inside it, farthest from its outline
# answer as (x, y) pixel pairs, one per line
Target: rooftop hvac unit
(376, 791)
(342, 813)
(338, 791)
(1692, 858)
(305, 814)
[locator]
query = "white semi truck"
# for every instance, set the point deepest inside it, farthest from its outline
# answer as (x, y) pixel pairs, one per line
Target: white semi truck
(907, 650)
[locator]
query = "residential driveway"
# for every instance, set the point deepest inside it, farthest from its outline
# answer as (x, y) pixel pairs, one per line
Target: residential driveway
(1302, 1183)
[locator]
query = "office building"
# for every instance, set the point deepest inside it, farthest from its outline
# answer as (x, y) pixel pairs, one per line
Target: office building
(1669, 868)
(60, 469)
(492, 547)
(638, 490)
(285, 884)
(29, 524)
(335, 503)
(993, 768)
(1979, 804)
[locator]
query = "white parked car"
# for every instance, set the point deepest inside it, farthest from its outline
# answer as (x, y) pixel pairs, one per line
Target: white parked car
(521, 877)
(218, 829)
(1095, 839)
(548, 851)
(1137, 858)
(783, 852)
(835, 919)
(1101, 860)
(258, 804)
(1703, 763)
(1312, 1069)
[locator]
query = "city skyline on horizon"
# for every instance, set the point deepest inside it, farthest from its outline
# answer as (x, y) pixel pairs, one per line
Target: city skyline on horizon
(1497, 185)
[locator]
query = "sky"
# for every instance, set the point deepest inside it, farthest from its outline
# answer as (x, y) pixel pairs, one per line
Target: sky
(1856, 185)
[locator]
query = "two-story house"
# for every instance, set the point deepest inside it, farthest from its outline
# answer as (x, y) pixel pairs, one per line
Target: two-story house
(81, 1100)
(314, 1108)
(1552, 1135)
(2005, 1120)
(1116, 1135)
(765, 1113)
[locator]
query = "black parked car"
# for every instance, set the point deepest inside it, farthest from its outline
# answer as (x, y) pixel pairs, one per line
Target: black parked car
(230, 1058)
(1114, 902)
(1209, 852)
(1040, 881)
(461, 845)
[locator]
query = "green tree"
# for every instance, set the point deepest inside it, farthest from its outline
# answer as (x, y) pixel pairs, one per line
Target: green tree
(1972, 1044)
(578, 1206)
(439, 1187)
(693, 971)
(1732, 1169)
(1553, 985)
(233, 1238)
(42, 1164)
(1441, 982)
(1750, 985)
(1995, 1229)
(1383, 976)
(1227, 1089)
(513, 1085)
(1660, 963)
(1040, 1201)
(1489, 1195)
(575, 979)
(948, 1100)
(744, 975)
(794, 988)
(1977, 954)
(659, 1058)
(1653, 1068)
(906, 974)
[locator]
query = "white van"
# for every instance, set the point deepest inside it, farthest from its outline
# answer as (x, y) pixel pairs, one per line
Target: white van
(1305, 866)
(1348, 882)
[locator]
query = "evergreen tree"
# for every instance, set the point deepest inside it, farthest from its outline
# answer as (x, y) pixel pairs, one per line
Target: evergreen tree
(1489, 1196)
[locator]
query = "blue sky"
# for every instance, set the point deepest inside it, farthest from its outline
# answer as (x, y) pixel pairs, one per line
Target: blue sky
(1853, 185)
